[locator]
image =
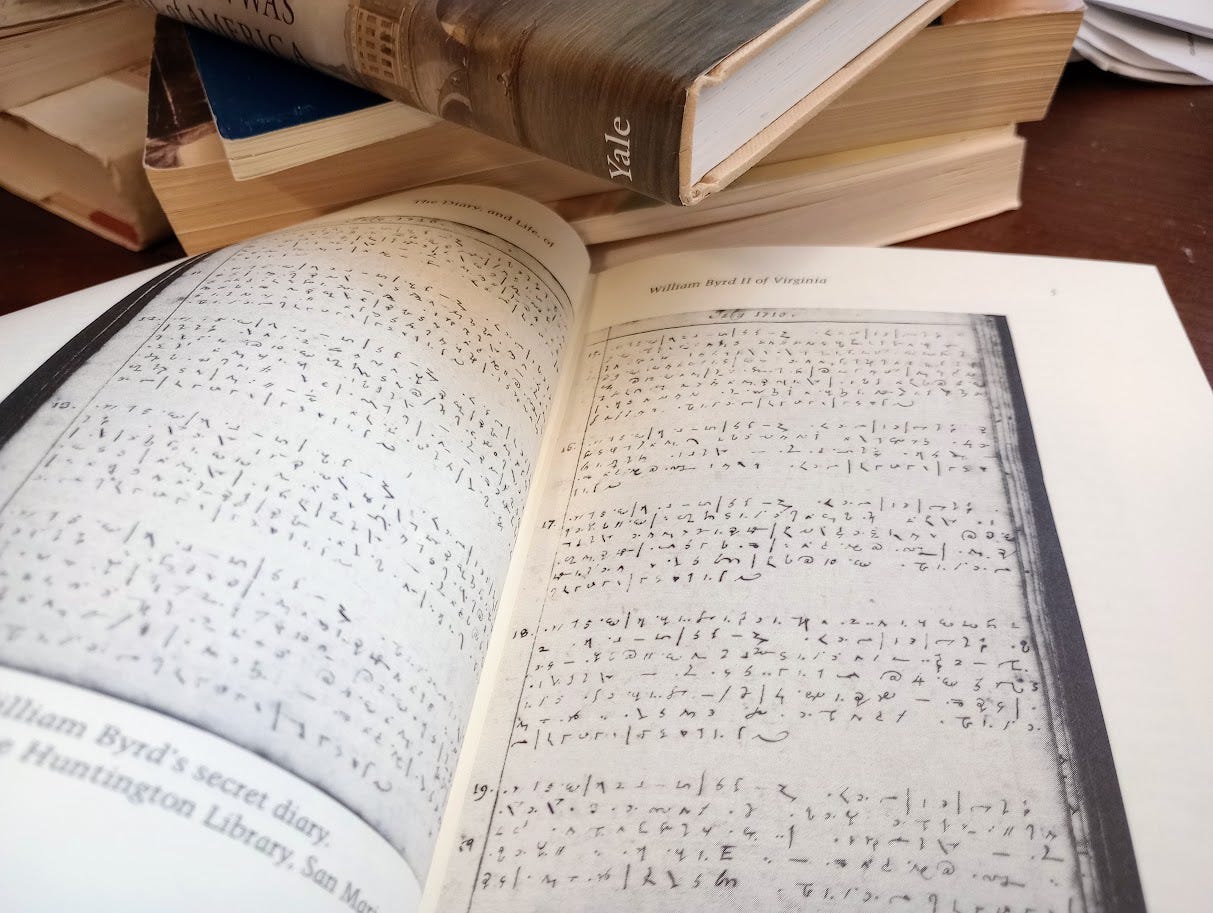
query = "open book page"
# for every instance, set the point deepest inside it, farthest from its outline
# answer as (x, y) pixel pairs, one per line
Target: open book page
(253, 532)
(800, 633)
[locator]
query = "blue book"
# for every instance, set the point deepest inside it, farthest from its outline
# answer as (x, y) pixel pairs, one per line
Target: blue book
(296, 115)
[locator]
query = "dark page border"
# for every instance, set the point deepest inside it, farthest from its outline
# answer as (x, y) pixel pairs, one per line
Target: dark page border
(1111, 846)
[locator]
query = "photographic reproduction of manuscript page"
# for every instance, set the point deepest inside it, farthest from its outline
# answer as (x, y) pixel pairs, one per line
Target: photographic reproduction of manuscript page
(798, 635)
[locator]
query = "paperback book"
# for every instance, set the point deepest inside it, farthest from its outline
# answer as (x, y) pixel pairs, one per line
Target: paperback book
(79, 154)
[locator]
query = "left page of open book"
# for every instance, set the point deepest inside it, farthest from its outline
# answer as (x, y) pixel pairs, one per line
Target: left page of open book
(254, 522)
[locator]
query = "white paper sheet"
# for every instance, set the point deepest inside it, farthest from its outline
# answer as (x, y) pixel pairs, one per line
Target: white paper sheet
(1194, 16)
(1176, 49)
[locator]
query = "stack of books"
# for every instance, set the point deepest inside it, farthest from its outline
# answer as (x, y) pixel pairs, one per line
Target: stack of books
(922, 141)
(912, 135)
(73, 92)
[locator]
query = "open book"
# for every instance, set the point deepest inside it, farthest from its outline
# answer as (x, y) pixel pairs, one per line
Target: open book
(393, 560)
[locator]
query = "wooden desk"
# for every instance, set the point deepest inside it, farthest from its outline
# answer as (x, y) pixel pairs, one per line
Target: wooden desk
(1119, 170)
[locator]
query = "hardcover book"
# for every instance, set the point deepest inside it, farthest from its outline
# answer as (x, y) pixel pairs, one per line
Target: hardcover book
(664, 97)
(395, 561)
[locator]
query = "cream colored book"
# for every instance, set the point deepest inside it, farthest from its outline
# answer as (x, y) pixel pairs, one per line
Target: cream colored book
(986, 63)
(872, 196)
(79, 154)
(398, 562)
(73, 44)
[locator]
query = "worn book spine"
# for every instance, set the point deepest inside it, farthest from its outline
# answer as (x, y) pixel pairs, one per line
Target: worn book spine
(79, 154)
(600, 87)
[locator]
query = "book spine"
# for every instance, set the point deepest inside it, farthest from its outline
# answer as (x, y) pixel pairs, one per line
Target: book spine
(571, 93)
(570, 82)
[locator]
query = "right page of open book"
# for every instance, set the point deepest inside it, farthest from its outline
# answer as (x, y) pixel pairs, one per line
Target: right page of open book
(800, 633)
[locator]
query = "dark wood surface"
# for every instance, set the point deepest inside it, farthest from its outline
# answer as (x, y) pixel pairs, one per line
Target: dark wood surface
(1119, 170)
